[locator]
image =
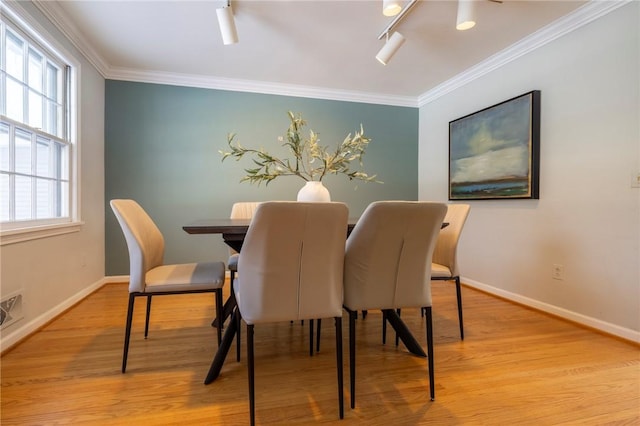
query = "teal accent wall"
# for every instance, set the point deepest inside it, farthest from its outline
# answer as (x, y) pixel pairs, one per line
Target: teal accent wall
(162, 149)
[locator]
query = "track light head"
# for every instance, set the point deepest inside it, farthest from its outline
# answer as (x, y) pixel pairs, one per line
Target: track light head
(466, 15)
(390, 47)
(227, 24)
(391, 7)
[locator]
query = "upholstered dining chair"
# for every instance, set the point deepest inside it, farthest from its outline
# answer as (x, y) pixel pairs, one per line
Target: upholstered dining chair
(239, 210)
(292, 268)
(445, 255)
(387, 265)
(245, 210)
(149, 276)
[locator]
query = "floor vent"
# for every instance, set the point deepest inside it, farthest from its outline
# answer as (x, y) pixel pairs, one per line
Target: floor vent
(11, 309)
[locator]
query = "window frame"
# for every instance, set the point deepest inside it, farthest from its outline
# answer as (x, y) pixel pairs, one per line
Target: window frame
(17, 231)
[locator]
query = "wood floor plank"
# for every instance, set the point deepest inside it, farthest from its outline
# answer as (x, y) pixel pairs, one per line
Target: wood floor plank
(516, 366)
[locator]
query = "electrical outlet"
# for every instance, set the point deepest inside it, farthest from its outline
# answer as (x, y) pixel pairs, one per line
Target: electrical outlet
(557, 271)
(635, 180)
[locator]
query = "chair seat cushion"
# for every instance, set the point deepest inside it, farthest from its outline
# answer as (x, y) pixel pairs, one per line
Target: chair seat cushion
(440, 271)
(186, 277)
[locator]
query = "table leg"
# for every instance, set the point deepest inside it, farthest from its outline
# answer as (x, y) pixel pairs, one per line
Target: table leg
(229, 305)
(223, 350)
(404, 333)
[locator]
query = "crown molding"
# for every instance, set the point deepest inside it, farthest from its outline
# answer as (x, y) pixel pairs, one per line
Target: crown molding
(589, 12)
(237, 85)
(56, 15)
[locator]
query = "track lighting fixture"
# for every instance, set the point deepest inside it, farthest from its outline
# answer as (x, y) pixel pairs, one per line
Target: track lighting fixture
(394, 42)
(466, 15)
(391, 46)
(466, 19)
(391, 7)
(227, 24)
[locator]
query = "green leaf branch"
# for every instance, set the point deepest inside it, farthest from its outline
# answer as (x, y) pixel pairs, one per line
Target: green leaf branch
(310, 160)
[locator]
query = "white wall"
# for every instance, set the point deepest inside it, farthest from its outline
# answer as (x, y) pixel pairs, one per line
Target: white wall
(588, 216)
(53, 273)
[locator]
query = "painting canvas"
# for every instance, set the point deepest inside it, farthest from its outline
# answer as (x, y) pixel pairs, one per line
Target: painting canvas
(494, 153)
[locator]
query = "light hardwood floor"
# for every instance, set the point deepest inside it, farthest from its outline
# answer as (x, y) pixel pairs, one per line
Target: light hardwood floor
(516, 366)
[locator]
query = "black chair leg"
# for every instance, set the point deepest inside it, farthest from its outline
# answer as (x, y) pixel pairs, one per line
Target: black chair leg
(250, 362)
(127, 333)
(318, 335)
(432, 388)
(219, 313)
(459, 294)
(352, 356)
(384, 328)
(397, 335)
(238, 328)
(310, 337)
(146, 321)
(339, 364)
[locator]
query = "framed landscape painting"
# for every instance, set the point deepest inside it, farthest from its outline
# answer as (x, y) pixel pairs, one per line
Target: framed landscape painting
(495, 153)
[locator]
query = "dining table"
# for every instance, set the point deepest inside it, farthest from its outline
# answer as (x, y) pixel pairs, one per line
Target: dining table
(233, 232)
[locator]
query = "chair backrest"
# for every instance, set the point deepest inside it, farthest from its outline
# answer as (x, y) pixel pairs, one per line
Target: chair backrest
(388, 255)
(292, 262)
(446, 251)
(144, 241)
(242, 210)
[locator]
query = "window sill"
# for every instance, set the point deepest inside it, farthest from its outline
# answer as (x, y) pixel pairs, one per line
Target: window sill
(12, 236)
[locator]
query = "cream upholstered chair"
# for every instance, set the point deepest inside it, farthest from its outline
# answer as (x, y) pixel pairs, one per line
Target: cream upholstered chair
(386, 267)
(292, 268)
(240, 210)
(149, 276)
(245, 210)
(445, 255)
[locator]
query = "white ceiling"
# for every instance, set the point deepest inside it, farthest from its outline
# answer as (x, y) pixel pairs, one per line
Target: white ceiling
(322, 45)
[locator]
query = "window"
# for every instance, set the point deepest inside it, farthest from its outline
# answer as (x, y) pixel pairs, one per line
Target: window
(36, 143)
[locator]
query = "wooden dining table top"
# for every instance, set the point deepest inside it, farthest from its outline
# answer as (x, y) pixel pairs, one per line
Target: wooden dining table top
(230, 226)
(234, 230)
(237, 226)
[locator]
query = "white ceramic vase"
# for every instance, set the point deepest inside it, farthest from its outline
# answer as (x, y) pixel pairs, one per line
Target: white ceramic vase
(315, 192)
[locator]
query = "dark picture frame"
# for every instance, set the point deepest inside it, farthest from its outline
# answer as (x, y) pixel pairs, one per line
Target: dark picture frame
(494, 153)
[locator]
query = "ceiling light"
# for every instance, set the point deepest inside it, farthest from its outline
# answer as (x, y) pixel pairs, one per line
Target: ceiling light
(466, 15)
(390, 47)
(391, 7)
(227, 24)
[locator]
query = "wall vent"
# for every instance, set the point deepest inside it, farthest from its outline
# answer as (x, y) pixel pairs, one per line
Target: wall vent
(11, 309)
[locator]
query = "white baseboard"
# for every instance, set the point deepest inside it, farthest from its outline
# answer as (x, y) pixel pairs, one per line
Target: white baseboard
(116, 279)
(603, 326)
(9, 340)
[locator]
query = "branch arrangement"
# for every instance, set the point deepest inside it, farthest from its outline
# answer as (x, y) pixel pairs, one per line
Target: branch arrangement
(311, 161)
